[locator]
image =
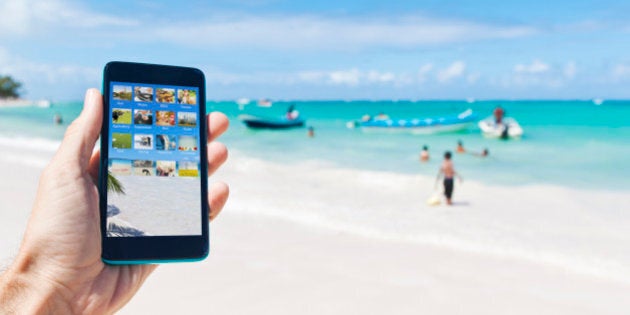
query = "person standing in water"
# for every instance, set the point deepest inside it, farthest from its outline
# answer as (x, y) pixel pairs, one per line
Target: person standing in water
(311, 132)
(447, 171)
(424, 154)
(57, 119)
(292, 113)
(498, 115)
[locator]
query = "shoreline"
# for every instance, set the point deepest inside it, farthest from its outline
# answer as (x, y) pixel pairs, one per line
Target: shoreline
(486, 219)
(19, 102)
(51, 144)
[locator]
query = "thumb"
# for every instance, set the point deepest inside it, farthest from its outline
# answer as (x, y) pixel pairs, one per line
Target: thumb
(81, 135)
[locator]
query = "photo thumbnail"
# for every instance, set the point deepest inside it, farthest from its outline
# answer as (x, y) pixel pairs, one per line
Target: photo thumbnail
(119, 167)
(143, 141)
(187, 119)
(144, 167)
(143, 94)
(165, 118)
(121, 116)
(165, 95)
(187, 143)
(165, 142)
(188, 168)
(122, 92)
(121, 140)
(165, 168)
(188, 97)
(142, 117)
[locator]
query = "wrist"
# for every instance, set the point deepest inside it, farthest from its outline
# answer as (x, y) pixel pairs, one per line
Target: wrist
(22, 291)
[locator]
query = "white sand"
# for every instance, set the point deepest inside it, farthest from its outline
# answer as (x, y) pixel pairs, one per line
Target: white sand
(160, 205)
(272, 255)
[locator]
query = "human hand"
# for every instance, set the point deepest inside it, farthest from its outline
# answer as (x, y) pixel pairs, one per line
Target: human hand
(58, 268)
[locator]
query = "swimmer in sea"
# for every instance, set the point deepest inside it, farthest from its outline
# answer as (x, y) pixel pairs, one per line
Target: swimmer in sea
(424, 154)
(460, 147)
(483, 153)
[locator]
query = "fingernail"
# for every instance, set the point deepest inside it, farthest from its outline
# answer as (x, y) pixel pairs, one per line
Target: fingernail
(90, 94)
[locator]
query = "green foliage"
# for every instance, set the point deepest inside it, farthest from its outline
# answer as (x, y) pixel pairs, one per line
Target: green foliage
(114, 185)
(9, 88)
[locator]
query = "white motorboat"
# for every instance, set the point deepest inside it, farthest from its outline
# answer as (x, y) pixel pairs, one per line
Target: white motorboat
(507, 128)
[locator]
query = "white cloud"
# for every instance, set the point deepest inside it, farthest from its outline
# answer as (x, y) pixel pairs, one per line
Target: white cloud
(344, 77)
(455, 70)
(570, 70)
(535, 67)
(350, 77)
(20, 17)
(13, 17)
(620, 71)
(324, 33)
(538, 74)
(380, 77)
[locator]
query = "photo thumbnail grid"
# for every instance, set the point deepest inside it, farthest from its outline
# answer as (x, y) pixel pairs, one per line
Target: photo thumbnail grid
(160, 168)
(149, 94)
(156, 139)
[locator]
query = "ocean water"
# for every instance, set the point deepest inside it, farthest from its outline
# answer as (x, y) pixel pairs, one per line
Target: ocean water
(574, 144)
(567, 143)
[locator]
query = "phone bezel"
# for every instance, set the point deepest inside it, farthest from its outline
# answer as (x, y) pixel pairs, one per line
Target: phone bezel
(154, 249)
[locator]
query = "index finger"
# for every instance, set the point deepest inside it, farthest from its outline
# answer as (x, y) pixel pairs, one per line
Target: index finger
(217, 124)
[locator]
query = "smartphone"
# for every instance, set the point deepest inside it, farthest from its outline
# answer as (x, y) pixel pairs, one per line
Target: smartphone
(153, 176)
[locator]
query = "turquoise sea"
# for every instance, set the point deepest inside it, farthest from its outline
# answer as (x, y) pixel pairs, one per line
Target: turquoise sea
(569, 143)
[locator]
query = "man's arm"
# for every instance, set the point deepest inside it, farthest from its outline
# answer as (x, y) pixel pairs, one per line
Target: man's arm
(58, 269)
(21, 292)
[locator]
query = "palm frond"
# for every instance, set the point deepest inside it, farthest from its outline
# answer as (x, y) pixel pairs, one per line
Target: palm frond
(114, 185)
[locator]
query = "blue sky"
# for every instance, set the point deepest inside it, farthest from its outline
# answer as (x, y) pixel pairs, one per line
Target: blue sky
(342, 49)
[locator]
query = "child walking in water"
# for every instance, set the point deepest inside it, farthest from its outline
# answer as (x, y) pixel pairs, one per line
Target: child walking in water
(448, 172)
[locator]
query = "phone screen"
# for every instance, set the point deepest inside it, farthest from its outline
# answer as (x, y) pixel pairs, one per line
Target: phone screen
(154, 178)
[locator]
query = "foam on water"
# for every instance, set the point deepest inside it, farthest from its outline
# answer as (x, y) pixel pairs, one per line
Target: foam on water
(31, 152)
(30, 143)
(555, 226)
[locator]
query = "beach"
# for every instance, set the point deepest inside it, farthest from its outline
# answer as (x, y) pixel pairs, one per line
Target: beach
(312, 237)
(350, 123)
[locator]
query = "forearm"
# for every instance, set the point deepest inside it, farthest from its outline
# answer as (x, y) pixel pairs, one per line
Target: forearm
(22, 293)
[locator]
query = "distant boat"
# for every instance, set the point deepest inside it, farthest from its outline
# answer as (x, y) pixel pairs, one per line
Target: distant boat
(470, 100)
(419, 125)
(256, 122)
(265, 103)
(43, 103)
(242, 102)
(598, 101)
(508, 128)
